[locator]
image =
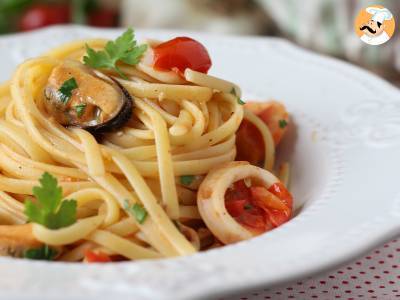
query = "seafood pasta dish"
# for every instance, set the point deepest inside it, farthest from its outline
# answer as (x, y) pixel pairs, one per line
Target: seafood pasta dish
(114, 150)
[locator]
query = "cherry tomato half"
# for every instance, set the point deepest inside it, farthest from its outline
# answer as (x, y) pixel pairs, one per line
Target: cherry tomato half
(256, 207)
(181, 53)
(99, 257)
(42, 15)
(250, 144)
(277, 213)
(279, 190)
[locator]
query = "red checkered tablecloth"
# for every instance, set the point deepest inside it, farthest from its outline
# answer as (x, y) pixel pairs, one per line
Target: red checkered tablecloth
(375, 276)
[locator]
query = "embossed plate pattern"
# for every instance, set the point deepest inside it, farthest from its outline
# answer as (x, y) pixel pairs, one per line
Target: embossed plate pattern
(344, 149)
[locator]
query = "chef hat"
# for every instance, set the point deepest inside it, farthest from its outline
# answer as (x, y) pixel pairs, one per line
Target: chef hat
(379, 14)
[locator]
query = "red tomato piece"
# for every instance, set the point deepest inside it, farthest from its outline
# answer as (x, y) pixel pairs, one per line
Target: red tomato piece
(277, 217)
(235, 207)
(272, 116)
(239, 192)
(99, 257)
(181, 53)
(279, 190)
(257, 207)
(255, 220)
(249, 144)
(42, 15)
(262, 198)
(238, 203)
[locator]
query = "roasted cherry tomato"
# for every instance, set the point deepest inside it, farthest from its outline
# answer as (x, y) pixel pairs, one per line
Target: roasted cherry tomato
(98, 257)
(42, 15)
(279, 190)
(274, 115)
(277, 209)
(181, 53)
(258, 208)
(250, 144)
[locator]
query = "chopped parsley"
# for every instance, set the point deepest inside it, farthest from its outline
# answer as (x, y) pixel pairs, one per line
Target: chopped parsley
(43, 253)
(80, 109)
(282, 123)
(186, 179)
(239, 101)
(138, 211)
(248, 206)
(49, 210)
(66, 89)
(124, 49)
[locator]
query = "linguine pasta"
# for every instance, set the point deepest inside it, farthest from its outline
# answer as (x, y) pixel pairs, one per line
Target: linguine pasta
(147, 189)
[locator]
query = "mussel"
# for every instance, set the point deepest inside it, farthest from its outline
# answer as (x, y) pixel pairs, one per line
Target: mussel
(79, 96)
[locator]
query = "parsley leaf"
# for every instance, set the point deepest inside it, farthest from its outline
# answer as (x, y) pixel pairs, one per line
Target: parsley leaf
(49, 210)
(43, 253)
(186, 179)
(138, 211)
(282, 123)
(124, 49)
(66, 89)
(248, 206)
(80, 109)
(239, 101)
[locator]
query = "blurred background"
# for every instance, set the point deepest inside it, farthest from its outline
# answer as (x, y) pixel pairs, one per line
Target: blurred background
(325, 26)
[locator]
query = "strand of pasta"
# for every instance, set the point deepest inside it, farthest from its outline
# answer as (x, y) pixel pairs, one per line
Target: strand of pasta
(164, 161)
(150, 203)
(23, 186)
(155, 237)
(43, 167)
(269, 145)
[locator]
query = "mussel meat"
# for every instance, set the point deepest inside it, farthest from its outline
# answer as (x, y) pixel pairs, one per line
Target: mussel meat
(79, 96)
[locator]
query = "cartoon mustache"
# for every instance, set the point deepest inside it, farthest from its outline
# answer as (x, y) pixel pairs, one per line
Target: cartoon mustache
(368, 28)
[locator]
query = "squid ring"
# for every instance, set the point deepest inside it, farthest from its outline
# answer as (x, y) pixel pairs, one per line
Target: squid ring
(211, 199)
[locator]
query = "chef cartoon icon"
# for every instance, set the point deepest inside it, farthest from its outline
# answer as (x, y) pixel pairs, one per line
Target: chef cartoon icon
(379, 26)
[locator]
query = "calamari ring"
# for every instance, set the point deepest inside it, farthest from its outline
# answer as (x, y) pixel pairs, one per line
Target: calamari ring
(211, 199)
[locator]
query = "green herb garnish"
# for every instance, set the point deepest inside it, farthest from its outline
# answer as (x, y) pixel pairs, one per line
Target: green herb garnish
(248, 206)
(43, 253)
(186, 179)
(239, 101)
(66, 89)
(80, 109)
(49, 210)
(124, 49)
(138, 211)
(282, 123)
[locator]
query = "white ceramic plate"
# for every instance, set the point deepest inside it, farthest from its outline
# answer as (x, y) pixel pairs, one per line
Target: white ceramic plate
(344, 149)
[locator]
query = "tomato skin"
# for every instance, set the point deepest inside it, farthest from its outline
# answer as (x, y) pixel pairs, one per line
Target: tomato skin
(42, 15)
(92, 257)
(279, 190)
(239, 192)
(235, 207)
(278, 213)
(249, 144)
(255, 220)
(258, 208)
(181, 53)
(277, 217)
(271, 116)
